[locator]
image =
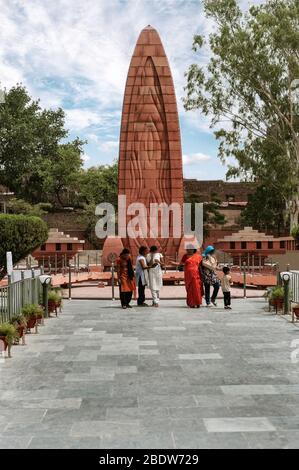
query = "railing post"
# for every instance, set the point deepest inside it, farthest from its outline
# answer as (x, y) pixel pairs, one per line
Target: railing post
(45, 299)
(22, 289)
(70, 282)
(32, 282)
(244, 279)
(286, 287)
(9, 298)
(278, 275)
(112, 280)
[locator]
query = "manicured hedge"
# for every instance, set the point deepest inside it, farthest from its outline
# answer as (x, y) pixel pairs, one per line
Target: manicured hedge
(20, 234)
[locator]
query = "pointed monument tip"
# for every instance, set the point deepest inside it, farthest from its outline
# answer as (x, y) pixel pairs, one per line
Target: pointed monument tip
(148, 27)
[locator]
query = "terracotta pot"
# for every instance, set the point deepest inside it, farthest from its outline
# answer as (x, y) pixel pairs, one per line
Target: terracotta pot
(52, 306)
(296, 311)
(31, 322)
(278, 303)
(20, 330)
(3, 339)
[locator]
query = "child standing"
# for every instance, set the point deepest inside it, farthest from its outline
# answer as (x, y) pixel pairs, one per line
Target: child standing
(225, 284)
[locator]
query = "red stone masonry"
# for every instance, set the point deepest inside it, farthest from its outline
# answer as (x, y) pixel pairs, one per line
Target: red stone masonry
(150, 154)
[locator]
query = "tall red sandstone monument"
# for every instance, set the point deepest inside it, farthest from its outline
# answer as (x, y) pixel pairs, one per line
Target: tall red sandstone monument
(150, 154)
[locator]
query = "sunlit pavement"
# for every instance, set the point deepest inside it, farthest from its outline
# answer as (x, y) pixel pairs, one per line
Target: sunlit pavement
(102, 377)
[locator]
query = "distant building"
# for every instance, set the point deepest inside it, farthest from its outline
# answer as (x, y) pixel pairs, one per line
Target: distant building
(225, 191)
(58, 249)
(253, 247)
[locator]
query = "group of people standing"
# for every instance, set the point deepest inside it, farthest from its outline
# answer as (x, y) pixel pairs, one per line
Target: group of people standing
(148, 272)
(199, 272)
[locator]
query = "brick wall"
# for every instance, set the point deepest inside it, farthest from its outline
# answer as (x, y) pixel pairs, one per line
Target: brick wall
(224, 190)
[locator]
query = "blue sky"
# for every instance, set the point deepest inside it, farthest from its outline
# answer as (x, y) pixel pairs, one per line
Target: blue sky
(76, 54)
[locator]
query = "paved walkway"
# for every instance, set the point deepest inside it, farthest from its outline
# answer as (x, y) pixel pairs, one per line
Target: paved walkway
(101, 377)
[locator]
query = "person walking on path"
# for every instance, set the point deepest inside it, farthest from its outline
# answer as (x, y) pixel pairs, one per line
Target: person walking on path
(210, 278)
(142, 275)
(126, 278)
(226, 285)
(155, 276)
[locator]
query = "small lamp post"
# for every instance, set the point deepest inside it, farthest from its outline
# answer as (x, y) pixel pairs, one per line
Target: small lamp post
(244, 279)
(286, 277)
(45, 281)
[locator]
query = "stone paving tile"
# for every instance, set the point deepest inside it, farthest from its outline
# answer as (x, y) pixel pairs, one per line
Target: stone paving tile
(203, 440)
(99, 377)
(238, 424)
(15, 442)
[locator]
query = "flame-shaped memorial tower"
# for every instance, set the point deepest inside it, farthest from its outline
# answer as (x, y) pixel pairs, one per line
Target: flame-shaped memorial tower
(150, 154)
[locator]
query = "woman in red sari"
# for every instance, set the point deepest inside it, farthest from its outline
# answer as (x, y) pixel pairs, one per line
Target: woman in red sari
(192, 270)
(193, 282)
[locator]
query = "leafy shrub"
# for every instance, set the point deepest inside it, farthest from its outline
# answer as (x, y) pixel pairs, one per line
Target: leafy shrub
(277, 293)
(32, 310)
(53, 296)
(18, 320)
(9, 331)
(20, 234)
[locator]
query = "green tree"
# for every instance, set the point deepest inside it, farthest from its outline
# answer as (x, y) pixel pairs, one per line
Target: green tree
(56, 178)
(99, 184)
(19, 206)
(211, 214)
(249, 85)
(33, 161)
(20, 234)
(26, 132)
(265, 211)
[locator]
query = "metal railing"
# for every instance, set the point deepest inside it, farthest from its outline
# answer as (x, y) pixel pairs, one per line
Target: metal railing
(15, 295)
(294, 286)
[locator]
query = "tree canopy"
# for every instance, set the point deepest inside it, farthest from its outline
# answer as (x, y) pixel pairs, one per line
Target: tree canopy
(247, 88)
(35, 163)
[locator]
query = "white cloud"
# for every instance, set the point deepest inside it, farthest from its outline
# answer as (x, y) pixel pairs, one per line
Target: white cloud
(109, 145)
(76, 54)
(78, 119)
(85, 158)
(195, 158)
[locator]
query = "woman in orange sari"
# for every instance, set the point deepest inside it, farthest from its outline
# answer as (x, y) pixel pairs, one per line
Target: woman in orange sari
(126, 278)
(193, 281)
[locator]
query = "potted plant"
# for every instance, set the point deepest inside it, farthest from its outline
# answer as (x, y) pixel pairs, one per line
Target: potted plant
(295, 311)
(53, 301)
(8, 333)
(32, 313)
(39, 315)
(20, 324)
(277, 297)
